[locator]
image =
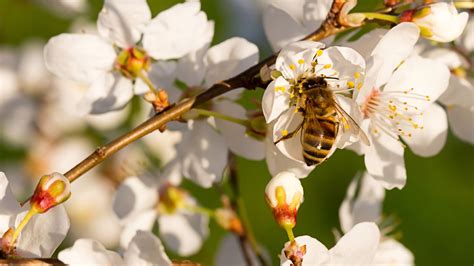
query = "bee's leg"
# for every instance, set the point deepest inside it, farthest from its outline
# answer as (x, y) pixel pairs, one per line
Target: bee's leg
(289, 135)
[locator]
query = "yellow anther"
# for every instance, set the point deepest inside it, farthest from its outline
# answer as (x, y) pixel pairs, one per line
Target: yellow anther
(350, 84)
(292, 95)
(357, 75)
(392, 107)
(284, 132)
(319, 52)
(409, 135)
(292, 67)
(391, 116)
(280, 88)
(301, 61)
(327, 66)
(415, 125)
(359, 86)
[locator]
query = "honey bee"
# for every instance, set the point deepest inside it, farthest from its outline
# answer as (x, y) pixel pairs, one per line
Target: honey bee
(322, 116)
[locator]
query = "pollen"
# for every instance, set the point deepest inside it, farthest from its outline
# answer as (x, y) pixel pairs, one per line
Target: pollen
(350, 84)
(280, 88)
(284, 132)
(301, 61)
(319, 52)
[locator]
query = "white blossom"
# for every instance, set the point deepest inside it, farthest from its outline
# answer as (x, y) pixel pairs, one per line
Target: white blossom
(144, 249)
(201, 154)
(111, 76)
(366, 206)
(396, 101)
(181, 229)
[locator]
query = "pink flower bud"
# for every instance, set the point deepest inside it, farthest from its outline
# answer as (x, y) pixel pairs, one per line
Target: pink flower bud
(51, 190)
(284, 194)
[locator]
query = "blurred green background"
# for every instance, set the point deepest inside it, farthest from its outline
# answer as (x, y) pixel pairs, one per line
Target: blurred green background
(436, 208)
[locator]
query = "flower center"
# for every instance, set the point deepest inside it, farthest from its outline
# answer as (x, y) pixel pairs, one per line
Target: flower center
(132, 61)
(391, 112)
(171, 199)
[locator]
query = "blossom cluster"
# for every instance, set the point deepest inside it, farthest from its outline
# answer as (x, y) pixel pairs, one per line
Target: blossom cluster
(399, 86)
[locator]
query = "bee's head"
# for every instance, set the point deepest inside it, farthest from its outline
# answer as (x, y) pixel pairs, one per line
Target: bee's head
(314, 82)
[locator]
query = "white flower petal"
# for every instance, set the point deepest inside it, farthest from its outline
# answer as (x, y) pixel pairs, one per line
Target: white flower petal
(288, 122)
(80, 57)
(191, 68)
(277, 162)
(9, 207)
(391, 252)
(316, 252)
(9, 85)
(135, 195)
(141, 221)
(108, 93)
(122, 21)
(201, 154)
(357, 247)
(461, 121)
(183, 233)
(459, 93)
(366, 207)
(431, 139)
(424, 80)
(281, 28)
(384, 161)
(365, 44)
(43, 233)
(315, 12)
(229, 58)
(89, 251)
(394, 47)
(275, 101)
(146, 249)
(177, 31)
(288, 61)
(236, 137)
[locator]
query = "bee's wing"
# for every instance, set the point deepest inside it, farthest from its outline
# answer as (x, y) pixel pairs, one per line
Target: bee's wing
(351, 125)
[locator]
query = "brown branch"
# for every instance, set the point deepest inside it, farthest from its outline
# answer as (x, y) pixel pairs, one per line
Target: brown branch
(248, 79)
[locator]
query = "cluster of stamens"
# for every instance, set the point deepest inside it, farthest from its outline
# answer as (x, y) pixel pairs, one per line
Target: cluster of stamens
(388, 113)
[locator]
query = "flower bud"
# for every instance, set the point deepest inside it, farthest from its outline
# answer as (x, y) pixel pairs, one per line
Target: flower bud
(438, 21)
(51, 190)
(228, 220)
(130, 62)
(284, 194)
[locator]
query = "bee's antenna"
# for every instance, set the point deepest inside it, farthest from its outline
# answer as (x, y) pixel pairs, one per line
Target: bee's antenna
(331, 78)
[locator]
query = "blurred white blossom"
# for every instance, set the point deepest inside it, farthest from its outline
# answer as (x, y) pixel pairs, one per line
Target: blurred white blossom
(366, 206)
(144, 249)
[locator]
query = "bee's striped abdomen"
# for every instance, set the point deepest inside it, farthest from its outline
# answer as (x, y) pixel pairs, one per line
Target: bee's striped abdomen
(318, 138)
